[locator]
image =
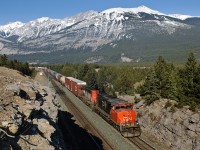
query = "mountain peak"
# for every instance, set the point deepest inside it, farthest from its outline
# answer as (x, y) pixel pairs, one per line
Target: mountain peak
(131, 10)
(43, 19)
(12, 25)
(145, 9)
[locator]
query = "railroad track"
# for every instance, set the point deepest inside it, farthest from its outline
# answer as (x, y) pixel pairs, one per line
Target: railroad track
(141, 144)
(85, 123)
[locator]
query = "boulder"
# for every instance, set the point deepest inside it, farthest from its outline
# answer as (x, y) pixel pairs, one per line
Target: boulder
(13, 88)
(26, 110)
(44, 127)
(177, 116)
(140, 104)
(194, 118)
(5, 124)
(13, 128)
(31, 94)
(28, 91)
(198, 129)
(192, 127)
(137, 96)
(191, 134)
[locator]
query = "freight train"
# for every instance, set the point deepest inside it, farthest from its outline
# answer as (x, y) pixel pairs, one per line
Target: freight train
(119, 113)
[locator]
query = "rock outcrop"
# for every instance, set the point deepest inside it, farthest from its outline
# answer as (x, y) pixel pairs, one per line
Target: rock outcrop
(179, 129)
(27, 115)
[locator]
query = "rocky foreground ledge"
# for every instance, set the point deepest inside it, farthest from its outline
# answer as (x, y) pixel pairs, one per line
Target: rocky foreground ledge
(163, 123)
(27, 114)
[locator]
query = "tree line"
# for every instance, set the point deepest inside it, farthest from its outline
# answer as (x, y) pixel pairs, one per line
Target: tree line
(162, 81)
(106, 78)
(14, 64)
(176, 83)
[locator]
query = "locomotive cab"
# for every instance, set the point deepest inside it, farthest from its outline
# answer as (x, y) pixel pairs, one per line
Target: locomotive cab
(121, 115)
(126, 119)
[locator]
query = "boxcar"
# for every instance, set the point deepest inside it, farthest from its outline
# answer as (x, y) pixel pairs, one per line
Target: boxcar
(75, 85)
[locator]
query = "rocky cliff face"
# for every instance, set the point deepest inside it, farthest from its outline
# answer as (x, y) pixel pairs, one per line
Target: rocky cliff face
(179, 129)
(27, 115)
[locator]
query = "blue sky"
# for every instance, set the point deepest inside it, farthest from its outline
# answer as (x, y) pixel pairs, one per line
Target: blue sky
(27, 10)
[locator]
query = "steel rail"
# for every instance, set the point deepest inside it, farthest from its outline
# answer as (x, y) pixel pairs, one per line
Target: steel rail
(141, 144)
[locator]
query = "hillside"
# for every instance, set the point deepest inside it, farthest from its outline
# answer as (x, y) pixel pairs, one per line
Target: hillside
(28, 116)
(163, 123)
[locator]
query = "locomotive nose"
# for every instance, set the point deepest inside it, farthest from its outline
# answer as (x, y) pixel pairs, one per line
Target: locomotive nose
(128, 117)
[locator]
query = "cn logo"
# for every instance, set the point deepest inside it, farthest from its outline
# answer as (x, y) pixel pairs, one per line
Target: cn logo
(126, 119)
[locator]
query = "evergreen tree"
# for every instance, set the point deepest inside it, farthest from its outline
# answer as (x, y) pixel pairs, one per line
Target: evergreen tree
(197, 85)
(150, 89)
(82, 71)
(101, 79)
(22, 67)
(3, 60)
(161, 82)
(124, 83)
(189, 81)
(68, 70)
(170, 89)
(105, 79)
(91, 78)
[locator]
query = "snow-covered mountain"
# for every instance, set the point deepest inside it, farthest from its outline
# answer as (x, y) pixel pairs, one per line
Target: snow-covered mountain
(45, 26)
(132, 10)
(89, 31)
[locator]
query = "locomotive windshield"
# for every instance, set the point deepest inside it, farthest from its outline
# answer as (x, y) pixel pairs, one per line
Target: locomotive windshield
(129, 107)
(124, 107)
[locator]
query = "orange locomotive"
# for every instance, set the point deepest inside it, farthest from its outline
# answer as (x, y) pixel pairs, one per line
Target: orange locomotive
(120, 114)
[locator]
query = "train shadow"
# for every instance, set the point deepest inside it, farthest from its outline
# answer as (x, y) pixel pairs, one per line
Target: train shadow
(76, 137)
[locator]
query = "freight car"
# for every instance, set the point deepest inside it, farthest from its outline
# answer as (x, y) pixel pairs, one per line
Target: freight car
(58, 76)
(75, 85)
(119, 113)
(62, 80)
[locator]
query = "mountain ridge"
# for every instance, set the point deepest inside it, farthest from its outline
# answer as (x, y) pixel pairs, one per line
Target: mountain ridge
(93, 32)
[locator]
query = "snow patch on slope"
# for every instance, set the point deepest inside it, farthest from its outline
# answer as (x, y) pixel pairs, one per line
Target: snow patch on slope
(179, 16)
(125, 58)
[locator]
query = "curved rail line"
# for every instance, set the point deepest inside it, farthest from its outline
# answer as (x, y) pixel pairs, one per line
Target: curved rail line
(86, 124)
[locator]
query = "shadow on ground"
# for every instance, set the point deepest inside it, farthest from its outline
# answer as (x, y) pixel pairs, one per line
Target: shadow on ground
(76, 137)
